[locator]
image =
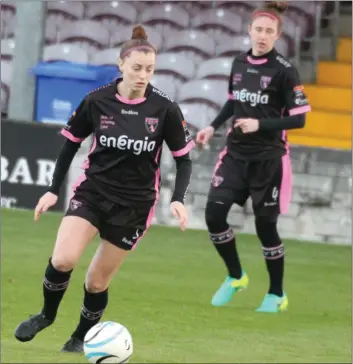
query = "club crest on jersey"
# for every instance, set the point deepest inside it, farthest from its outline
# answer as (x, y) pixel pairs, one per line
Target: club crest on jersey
(151, 124)
(216, 181)
(265, 81)
(74, 204)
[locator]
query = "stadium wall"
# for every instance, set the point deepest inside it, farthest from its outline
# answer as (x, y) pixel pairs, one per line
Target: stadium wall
(28, 154)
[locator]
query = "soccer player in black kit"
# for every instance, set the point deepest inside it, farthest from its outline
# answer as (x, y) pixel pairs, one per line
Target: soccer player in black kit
(117, 193)
(265, 99)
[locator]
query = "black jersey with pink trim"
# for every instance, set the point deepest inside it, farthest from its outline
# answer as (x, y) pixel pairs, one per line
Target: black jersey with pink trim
(124, 160)
(263, 87)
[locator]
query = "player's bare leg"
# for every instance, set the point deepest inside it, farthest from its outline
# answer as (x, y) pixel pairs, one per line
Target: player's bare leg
(101, 271)
(73, 236)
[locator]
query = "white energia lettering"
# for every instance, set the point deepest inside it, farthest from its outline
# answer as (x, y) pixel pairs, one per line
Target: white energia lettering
(254, 98)
(125, 143)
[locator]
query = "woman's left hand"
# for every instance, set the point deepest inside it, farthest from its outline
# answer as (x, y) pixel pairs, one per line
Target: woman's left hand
(247, 125)
(179, 211)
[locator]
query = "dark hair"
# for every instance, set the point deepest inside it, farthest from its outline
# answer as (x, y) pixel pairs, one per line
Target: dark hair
(274, 8)
(138, 41)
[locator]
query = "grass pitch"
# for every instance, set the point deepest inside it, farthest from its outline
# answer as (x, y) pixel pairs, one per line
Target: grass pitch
(162, 294)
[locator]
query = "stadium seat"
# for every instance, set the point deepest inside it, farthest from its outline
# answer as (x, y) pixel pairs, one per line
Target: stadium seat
(176, 65)
(330, 99)
(233, 45)
(6, 76)
(213, 93)
(304, 13)
(65, 52)
(215, 68)
(8, 12)
(51, 33)
(194, 7)
(217, 23)
(195, 44)
(107, 57)
(238, 7)
(2, 28)
(123, 34)
(88, 34)
(73, 10)
(334, 74)
(112, 14)
(4, 101)
(7, 24)
(344, 50)
(8, 6)
(7, 49)
(329, 125)
(291, 30)
(163, 17)
(60, 13)
(6, 72)
(198, 115)
(163, 84)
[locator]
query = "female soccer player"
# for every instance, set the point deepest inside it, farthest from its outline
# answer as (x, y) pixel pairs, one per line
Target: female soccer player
(265, 99)
(117, 193)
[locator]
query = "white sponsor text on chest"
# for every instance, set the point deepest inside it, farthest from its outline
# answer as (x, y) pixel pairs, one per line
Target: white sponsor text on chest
(123, 142)
(254, 98)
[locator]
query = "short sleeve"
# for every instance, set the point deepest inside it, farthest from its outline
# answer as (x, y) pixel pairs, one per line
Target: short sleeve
(78, 127)
(296, 101)
(176, 132)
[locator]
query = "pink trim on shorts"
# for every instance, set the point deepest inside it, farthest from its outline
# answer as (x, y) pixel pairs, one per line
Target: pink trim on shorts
(69, 136)
(82, 177)
(220, 160)
(185, 150)
(285, 194)
(256, 61)
(130, 102)
(138, 48)
(153, 208)
(300, 110)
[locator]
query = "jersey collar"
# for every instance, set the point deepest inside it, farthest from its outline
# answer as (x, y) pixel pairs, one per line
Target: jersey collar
(127, 101)
(260, 59)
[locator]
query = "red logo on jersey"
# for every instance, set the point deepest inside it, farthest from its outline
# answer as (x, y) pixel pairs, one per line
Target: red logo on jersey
(265, 81)
(151, 124)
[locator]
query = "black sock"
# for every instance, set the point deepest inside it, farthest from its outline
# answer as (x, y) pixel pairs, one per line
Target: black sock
(274, 258)
(55, 284)
(225, 245)
(273, 250)
(93, 308)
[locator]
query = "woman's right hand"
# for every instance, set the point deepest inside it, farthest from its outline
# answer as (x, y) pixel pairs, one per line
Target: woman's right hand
(45, 202)
(204, 135)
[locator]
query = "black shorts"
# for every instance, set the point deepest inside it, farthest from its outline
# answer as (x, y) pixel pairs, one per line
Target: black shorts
(122, 225)
(267, 182)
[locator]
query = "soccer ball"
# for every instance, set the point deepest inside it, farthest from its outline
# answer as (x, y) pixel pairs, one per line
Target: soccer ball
(108, 342)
